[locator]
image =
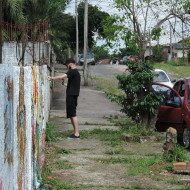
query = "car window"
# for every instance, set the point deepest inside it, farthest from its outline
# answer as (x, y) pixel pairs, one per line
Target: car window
(169, 96)
(176, 86)
(160, 77)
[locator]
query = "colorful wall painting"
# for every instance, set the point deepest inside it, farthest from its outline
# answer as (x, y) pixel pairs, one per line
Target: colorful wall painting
(28, 104)
(8, 119)
(22, 142)
(16, 84)
(2, 77)
(1, 186)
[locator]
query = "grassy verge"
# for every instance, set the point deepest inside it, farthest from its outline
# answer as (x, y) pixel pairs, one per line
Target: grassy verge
(174, 70)
(54, 163)
(109, 86)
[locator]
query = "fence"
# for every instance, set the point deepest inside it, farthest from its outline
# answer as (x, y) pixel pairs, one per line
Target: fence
(37, 31)
(24, 105)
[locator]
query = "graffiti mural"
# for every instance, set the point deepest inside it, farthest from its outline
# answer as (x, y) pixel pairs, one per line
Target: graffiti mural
(8, 119)
(1, 186)
(24, 113)
(21, 130)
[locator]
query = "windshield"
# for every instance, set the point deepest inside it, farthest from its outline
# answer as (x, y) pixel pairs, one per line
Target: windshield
(160, 76)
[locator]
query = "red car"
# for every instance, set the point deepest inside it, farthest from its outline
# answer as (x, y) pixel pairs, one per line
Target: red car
(174, 110)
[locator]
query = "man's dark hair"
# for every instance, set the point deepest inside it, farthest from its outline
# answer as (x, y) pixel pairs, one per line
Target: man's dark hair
(70, 60)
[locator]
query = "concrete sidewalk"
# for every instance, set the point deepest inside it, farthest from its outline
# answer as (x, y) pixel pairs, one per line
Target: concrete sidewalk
(93, 106)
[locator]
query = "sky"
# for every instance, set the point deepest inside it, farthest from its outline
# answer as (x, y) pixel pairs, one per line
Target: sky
(108, 6)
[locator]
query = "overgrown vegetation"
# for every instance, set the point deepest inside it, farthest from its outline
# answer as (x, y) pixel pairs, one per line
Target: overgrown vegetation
(50, 132)
(52, 164)
(178, 154)
(139, 102)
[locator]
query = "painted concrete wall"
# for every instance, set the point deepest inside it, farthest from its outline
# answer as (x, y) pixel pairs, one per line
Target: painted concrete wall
(12, 52)
(23, 116)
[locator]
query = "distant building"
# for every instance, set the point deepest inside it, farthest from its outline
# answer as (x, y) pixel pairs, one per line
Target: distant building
(178, 49)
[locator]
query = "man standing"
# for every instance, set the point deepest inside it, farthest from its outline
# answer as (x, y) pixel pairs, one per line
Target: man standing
(72, 93)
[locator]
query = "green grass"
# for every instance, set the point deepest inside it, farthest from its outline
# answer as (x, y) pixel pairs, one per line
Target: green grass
(109, 86)
(179, 154)
(120, 151)
(54, 163)
(61, 165)
(60, 185)
(110, 137)
(130, 127)
(178, 71)
(136, 166)
(50, 132)
(60, 150)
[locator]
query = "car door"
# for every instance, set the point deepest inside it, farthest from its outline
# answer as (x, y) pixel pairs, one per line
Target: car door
(170, 110)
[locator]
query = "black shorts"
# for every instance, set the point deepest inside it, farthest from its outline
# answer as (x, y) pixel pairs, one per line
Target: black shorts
(71, 105)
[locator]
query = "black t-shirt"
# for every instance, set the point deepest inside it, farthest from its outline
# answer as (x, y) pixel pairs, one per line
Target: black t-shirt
(73, 86)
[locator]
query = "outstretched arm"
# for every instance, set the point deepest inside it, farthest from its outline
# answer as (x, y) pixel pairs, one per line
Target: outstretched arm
(60, 77)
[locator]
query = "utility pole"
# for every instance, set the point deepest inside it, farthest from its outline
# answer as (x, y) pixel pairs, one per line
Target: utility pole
(85, 67)
(1, 22)
(171, 49)
(77, 32)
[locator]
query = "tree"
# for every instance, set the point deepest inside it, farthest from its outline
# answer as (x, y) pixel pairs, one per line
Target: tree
(30, 11)
(62, 34)
(142, 20)
(157, 52)
(100, 52)
(95, 20)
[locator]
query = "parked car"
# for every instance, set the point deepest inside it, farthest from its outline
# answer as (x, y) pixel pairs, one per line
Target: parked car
(162, 77)
(174, 110)
(90, 59)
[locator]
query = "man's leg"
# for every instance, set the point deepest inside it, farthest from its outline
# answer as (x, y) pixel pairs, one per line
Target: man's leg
(75, 123)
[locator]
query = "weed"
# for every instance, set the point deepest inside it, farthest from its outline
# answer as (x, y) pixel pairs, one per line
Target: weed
(54, 163)
(135, 165)
(130, 127)
(119, 151)
(61, 150)
(177, 154)
(114, 160)
(56, 184)
(143, 165)
(50, 132)
(111, 137)
(61, 165)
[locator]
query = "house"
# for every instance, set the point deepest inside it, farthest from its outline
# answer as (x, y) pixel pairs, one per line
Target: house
(179, 50)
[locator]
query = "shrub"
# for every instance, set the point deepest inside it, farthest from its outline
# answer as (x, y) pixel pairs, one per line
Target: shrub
(139, 101)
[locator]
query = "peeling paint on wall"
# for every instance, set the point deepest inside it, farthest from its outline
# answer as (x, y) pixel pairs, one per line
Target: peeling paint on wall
(1, 186)
(24, 118)
(8, 118)
(21, 130)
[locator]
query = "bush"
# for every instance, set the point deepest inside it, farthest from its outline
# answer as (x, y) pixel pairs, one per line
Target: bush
(139, 101)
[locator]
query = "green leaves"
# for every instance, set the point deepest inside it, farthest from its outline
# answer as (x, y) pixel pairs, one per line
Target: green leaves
(156, 33)
(139, 97)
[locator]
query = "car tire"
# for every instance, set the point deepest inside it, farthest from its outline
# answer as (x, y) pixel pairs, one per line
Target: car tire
(186, 138)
